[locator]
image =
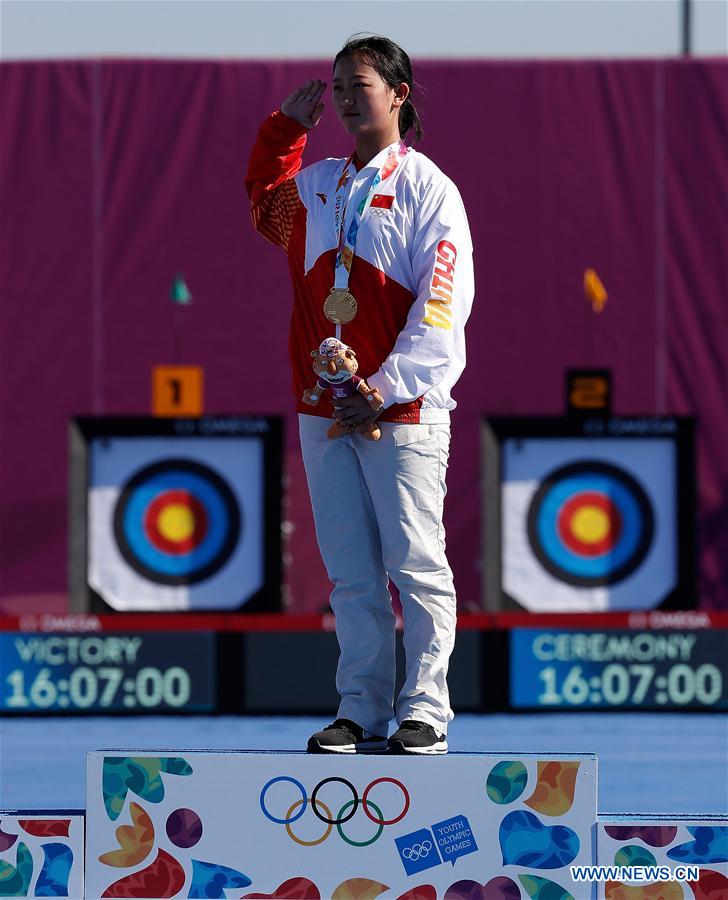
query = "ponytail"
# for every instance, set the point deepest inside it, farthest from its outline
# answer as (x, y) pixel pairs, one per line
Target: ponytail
(409, 118)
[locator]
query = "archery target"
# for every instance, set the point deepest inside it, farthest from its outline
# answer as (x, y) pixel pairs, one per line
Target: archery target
(176, 524)
(588, 524)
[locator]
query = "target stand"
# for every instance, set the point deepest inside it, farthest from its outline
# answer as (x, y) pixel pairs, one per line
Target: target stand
(588, 514)
(173, 515)
(292, 825)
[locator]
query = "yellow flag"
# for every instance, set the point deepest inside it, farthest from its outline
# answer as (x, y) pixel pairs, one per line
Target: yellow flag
(594, 290)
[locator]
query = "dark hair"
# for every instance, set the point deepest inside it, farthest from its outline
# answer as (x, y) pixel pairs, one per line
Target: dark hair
(393, 65)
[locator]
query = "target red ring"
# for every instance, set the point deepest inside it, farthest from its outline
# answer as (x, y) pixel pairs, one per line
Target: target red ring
(192, 535)
(589, 523)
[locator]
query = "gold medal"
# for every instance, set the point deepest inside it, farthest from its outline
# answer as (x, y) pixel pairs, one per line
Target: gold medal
(340, 307)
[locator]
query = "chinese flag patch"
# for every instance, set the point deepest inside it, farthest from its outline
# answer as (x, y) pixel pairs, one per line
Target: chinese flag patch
(382, 201)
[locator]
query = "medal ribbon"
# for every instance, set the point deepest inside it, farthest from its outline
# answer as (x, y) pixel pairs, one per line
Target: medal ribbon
(347, 237)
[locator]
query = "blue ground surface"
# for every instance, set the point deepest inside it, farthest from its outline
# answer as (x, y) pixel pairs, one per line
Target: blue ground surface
(648, 762)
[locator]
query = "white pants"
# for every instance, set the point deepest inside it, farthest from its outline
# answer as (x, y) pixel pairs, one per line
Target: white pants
(377, 507)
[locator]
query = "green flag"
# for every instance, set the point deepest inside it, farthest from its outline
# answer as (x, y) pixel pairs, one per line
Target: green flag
(180, 293)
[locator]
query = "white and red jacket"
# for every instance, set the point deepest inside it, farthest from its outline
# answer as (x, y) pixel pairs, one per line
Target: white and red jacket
(412, 274)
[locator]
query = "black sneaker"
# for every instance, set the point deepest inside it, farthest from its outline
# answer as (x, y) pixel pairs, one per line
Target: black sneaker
(345, 736)
(417, 737)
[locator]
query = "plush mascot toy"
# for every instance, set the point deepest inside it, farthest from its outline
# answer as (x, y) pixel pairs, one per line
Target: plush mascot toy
(335, 364)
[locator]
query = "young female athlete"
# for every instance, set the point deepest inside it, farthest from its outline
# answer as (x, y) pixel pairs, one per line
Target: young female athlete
(380, 257)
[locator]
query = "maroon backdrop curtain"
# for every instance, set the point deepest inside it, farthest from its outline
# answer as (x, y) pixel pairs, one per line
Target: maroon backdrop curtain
(116, 175)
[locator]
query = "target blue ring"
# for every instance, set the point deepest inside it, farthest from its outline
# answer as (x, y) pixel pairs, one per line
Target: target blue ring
(632, 544)
(597, 566)
(217, 519)
(222, 513)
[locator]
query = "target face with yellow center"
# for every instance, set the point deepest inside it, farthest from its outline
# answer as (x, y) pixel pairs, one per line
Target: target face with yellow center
(176, 522)
(587, 515)
(176, 515)
(590, 524)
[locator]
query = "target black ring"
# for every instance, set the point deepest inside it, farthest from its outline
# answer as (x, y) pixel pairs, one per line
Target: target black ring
(640, 499)
(226, 498)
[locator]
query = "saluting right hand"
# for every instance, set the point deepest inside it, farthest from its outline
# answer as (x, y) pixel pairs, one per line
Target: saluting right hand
(303, 104)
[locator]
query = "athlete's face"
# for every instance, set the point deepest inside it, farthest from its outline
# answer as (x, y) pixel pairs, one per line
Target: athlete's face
(364, 103)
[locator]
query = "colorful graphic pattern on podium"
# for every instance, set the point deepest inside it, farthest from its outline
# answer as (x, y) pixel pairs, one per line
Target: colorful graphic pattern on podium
(223, 824)
(649, 840)
(41, 854)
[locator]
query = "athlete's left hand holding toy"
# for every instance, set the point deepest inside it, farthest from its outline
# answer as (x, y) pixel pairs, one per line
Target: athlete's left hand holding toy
(335, 364)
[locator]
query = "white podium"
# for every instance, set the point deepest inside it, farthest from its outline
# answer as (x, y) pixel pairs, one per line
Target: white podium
(183, 823)
(666, 841)
(41, 853)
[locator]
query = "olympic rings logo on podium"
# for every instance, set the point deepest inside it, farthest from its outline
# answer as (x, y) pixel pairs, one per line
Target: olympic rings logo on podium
(345, 814)
(417, 850)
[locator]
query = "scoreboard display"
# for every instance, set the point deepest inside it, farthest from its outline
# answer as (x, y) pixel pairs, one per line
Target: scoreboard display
(260, 664)
(561, 669)
(105, 673)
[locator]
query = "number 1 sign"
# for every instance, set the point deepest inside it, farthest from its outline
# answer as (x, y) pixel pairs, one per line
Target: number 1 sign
(177, 391)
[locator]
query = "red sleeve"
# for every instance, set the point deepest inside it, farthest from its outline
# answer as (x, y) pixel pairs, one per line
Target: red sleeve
(270, 182)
